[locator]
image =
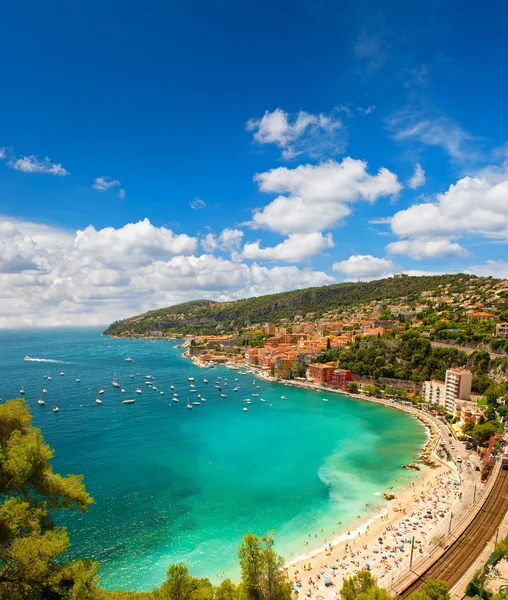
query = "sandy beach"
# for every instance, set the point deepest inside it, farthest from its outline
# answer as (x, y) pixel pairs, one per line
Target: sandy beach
(384, 545)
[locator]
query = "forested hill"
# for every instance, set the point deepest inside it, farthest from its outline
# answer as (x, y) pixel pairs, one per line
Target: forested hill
(207, 316)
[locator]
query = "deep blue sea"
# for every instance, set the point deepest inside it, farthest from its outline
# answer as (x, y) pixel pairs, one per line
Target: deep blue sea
(177, 485)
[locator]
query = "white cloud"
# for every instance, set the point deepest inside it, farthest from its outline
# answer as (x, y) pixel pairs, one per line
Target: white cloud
(471, 206)
(494, 268)
(197, 204)
(105, 183)
(304, 133)
(422, 249)
(3, 153)
(32, 164)
(318, 196)
(418, 178)
(370, 50)
(423, 126)
(298, 247)
(228, 239)
(121, 194)
(97, 276)
(365, 266)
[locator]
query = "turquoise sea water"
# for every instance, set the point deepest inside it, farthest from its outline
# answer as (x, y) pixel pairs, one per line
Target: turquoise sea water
(172, 484)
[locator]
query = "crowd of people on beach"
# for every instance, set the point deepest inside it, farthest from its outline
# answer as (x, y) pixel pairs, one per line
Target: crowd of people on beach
(384, 551)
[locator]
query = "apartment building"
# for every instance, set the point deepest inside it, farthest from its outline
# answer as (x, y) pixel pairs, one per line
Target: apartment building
(434, 392)
(502, 330)
(458, 387)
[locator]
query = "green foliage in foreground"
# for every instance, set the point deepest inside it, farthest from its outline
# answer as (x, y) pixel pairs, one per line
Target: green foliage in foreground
(364, 587)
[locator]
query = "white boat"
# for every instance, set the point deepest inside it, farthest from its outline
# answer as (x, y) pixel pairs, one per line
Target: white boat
(101, 391)
(115, 384)
(27, 358)
(49, 377)
(55, 409)
(262, 400)
(129, 359)
(245, 409)
(98, 400)
(128, 401)
(203, 399)
(172, 387)
(62, 373)
(154, 388)
(196, 403)
(175, 394)
(40, 400)
(162, 393)
(138, 391)
(235, 389)
(192, 385)
(176, 400)
(45, 376)
(193, 391)
(255, 394)
(325, 399)
(283, 398)
(131, 375)
(199, 395)
(189, 406)
(123, 391)
(190, 378)
(78, 380)
(224, 395)
(44, 391)
(205, 380)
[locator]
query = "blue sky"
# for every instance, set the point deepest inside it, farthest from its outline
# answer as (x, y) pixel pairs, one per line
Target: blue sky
(156, 152)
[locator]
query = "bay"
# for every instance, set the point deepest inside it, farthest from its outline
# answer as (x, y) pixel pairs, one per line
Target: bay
(177, 485)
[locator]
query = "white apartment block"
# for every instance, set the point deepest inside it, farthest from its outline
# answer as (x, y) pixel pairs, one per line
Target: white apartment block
(434, 392)
(457, 386)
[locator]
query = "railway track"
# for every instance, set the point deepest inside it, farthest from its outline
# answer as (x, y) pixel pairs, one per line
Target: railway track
(460, 555)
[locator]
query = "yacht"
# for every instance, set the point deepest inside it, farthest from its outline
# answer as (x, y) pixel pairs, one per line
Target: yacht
(101, 391)
(205, 380)
(189, 406)
(129, 359)
(172, 387)
(192, 391)
(196, 403)
(138, 391)
(325, 399)
(78, 380)
(128, 401)
(283, 398)
(131, 375)
(55, 409)
(162, 393)
(98, 400)
(27, 358)
(245, 409)
(192, 385)
(176, 400)
(49, 377)
(255, 394)
(62, 373)
(40, 400)
(190, 378)
(115, 383)
(203, 399)
(21, 391)
(262, 400)
(235, 389)
(44, 391)
(224, 395)
(123, 391)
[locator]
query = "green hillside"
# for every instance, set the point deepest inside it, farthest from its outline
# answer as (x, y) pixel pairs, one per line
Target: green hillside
(207, 316)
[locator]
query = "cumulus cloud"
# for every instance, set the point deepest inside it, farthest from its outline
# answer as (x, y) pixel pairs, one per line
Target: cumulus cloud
(197, 204)
(418, 177)
(96, 276)
(471, 206)
(365, 266)
(318, 196)
(494, 268)
(105, 183)
(422, 249)
(32, 164)
(304, 132)
(228, 239)
(298, 247)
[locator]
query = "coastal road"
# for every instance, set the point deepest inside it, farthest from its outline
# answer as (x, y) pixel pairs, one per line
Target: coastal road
(461, 554)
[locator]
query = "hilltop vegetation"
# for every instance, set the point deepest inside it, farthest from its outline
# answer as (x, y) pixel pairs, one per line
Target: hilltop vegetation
(206, 316)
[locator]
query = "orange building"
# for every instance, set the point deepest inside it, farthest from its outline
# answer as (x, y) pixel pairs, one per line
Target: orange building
(320, 373)
(340, 377)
